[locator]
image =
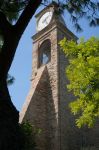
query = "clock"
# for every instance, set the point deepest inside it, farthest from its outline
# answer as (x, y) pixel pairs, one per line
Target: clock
(44, 20)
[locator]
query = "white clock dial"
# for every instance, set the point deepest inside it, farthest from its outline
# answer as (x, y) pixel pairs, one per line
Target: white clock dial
(44, 20)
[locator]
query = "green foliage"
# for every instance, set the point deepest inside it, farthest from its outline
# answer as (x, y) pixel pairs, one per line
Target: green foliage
(77, 10)
(29, 134)
(12, 8)
(1, 42)
(83, 74)
(82, 9)
(10, 80)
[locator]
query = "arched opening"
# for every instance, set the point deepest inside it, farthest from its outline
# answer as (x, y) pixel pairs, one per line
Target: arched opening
(45, 52)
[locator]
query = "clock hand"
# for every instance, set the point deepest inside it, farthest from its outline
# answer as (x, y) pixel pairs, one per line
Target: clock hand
(45, 21)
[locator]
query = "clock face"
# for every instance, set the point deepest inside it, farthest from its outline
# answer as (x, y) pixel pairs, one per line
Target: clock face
(44, 20)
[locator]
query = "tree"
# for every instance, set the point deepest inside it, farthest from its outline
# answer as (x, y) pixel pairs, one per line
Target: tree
(83, 74)
(10, 134)
(83, 8)
(21, 12)
(10, 79)
(29, 133)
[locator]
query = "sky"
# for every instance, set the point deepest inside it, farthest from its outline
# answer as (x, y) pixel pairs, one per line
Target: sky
(22, 65)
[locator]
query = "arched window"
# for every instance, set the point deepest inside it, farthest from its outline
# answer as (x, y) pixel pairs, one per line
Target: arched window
(45, 52)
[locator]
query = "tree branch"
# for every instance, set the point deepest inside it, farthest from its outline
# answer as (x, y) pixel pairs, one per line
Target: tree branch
(4, 24)
(27, 15)
(15, 33)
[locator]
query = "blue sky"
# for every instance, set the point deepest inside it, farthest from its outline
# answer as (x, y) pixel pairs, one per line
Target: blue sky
(22, 64)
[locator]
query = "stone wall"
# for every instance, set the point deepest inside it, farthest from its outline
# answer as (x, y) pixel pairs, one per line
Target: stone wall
(46, 106)
(72, 138)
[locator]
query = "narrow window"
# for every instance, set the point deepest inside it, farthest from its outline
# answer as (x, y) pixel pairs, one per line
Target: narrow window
(45, 52)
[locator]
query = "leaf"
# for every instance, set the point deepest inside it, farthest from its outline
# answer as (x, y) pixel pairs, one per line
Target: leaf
(92, 23)
(97, 21)
(74, 19)
(78, 27)
(83, 75)
(10, 80)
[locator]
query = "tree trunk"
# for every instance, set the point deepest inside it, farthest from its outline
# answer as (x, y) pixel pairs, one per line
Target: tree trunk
(10, 138)
(10, 133)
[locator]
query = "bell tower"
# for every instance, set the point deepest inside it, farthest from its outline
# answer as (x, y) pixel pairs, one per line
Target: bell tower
(46, 106)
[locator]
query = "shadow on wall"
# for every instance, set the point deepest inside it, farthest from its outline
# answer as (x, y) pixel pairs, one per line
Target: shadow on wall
(41, 113)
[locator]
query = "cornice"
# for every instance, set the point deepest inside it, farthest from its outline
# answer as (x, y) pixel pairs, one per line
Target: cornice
(52, 26)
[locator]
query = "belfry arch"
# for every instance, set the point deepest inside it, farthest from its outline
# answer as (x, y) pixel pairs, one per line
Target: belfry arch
(44, 53)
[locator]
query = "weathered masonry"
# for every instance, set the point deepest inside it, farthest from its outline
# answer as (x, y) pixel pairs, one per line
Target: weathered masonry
(46, 106)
